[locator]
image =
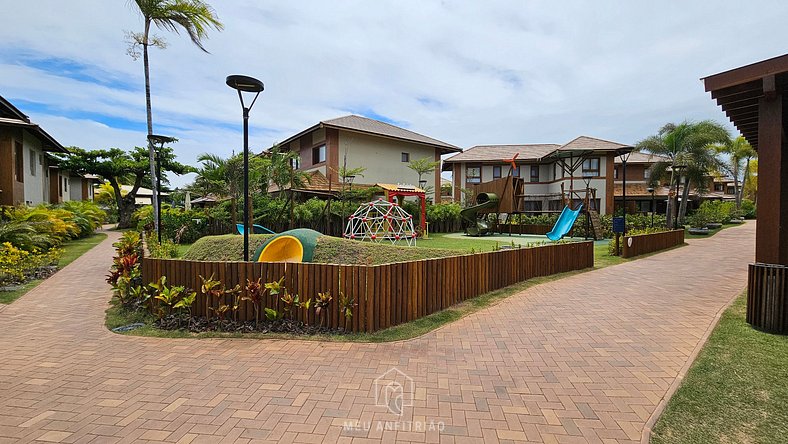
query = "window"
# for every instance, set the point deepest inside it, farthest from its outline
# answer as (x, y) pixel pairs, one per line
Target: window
(33, 161)
(615, 173)
(318, 154)
(59, 186)
(533, 206)
(555, 176)
(534, 173)
(406, 157)
(19, 170)
(647, 173)
(516, 172)
(718, 187)
(473, 174)
(591, 167)
(496, 172)
(65, 184)
(731, 190)
(295, 162)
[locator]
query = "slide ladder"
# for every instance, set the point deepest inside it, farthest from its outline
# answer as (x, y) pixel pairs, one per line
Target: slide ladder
(596, 225)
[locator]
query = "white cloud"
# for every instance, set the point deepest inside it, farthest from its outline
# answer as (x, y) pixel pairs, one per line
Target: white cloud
(463, 72)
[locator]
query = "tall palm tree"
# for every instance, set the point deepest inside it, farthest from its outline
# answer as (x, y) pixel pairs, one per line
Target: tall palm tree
(223, 177)
(740, 154)
(688, 144)
(194, 17)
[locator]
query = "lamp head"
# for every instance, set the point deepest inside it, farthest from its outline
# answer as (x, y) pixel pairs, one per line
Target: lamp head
(650, 190)
(245, 83)
(156, 139)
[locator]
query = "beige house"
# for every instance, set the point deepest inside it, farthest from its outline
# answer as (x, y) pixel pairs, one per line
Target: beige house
(385, 151)
(548, 171)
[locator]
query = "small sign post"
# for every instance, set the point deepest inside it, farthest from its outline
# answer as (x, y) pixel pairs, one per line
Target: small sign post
(618, 228)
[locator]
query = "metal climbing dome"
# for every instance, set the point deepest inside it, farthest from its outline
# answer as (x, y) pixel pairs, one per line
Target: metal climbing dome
(379, 221)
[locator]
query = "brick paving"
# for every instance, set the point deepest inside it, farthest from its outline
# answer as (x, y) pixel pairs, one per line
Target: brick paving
(583, 359)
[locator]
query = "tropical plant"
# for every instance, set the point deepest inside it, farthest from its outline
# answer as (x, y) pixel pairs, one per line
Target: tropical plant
(194, 17)
(346, 305)
(688, 144)
(423, 166)
(119, 167)
(322, 303)
(290, 302)
(272, 315)
(739, 153)
(254, 294)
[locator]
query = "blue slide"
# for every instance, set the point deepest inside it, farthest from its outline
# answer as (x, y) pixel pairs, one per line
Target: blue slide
(256, 229)
(564, 223)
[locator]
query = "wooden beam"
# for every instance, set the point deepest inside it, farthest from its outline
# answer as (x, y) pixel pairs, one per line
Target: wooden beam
(747, 73)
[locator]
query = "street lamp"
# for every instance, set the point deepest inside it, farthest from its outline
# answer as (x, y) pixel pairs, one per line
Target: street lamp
(422, 184)
(677, 169)
(624, 154)
(158, 141)
(653, 210)
(251, 85)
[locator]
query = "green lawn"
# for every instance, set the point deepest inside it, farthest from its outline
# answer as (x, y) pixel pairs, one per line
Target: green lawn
(442, 240)
(73, 250)
(736, 391)
(687, 235)
(182, 249)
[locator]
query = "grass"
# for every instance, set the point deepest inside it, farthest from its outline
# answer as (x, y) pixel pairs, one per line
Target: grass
(118, 316)
(736, 391)
(182, 249)
(72, 250)
(712, 232)
(456, 243)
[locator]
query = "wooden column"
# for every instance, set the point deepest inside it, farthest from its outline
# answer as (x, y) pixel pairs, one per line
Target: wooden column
(457, 184)
(771, 245)
(437, 197)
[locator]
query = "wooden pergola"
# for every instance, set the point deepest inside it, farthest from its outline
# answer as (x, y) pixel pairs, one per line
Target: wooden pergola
(754, 98)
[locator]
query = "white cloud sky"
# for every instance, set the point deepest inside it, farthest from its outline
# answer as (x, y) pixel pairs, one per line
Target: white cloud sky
(463, 72)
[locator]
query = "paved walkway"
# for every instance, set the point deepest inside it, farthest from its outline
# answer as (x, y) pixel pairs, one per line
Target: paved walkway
(582, 359)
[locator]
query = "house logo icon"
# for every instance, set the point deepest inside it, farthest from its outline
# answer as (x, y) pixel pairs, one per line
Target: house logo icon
(394, 390)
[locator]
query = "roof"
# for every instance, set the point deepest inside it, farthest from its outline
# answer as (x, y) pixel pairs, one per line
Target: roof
(641, 157)
(738, 92)
(400, 187)
(209, 198)
(12, 116)
(375, 127)
(500, 153)
(584, 143)
(640, 190)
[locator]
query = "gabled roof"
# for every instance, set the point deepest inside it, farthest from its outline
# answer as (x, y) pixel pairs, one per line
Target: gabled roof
(375, 127)
(592, 143)
(12, 116)
(499, 153)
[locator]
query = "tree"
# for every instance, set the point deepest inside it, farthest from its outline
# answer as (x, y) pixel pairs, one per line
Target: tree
(222, 177)
(740, 153)
(688, 144)
(193, 16)
(281, 172)
(120, 167)
(423, 166)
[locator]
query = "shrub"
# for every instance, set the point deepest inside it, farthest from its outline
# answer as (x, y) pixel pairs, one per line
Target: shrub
(227, 247)
(18, 265)
(164, 250)
(713, 211)
(183, 227)
(748, 209)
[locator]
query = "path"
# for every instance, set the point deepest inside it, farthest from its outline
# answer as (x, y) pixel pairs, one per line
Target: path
(582, 359)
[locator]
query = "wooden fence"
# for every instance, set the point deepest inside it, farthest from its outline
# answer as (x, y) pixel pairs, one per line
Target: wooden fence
(386, 295)
(649, 243)
(767, 297)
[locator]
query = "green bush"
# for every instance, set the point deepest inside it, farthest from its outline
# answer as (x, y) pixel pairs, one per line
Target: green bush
(713, 211)
(748, 209)
(181, 226)
(227, 247)
(167, 249)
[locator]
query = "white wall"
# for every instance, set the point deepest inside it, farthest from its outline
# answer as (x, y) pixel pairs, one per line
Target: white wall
(75, 188)
(36, 181)
(382, 159)
(66, 181)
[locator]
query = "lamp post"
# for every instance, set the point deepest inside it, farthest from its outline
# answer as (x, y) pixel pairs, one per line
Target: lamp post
(677, 169)
(251, 85)
(653, 210)
(158, 141)
(624, 156)
(422, 184)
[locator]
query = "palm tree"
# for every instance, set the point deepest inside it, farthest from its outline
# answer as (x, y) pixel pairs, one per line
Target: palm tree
(688, 144)
(222, 177)
(740, 154)
(195, 17)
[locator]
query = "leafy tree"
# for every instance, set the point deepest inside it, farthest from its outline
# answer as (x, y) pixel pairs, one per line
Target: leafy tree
(750, 188)
(740, 153)
(422, 167)
(117, 167)
(688, 144)
(194, 17)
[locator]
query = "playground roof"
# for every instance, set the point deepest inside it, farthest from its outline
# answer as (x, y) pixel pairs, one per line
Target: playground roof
(375, 127)
(499, 153)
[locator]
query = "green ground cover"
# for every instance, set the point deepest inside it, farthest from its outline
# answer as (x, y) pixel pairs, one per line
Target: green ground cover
(735, 392)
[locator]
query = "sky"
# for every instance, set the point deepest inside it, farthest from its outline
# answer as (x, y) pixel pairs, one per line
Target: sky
(464, 72)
